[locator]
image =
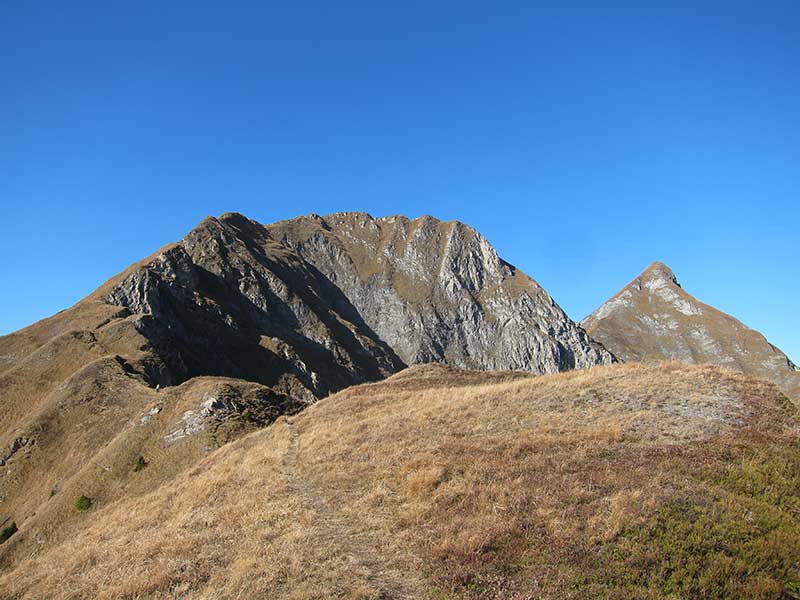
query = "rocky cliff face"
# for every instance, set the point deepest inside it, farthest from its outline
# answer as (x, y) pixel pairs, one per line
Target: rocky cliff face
(230, 300)
(303, 307)
(438, 292)
(654, 318)
(314, 304)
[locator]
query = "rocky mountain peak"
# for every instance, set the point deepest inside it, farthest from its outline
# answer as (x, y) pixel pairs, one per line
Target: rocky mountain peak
(659, 271)
(315, 303)
(311, 305)
(653, 318)
(233, 218)
(437, 291)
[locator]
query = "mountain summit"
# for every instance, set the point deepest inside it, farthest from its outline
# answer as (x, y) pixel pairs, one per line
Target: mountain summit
(314, 304)
(654, 318)
(438, 292)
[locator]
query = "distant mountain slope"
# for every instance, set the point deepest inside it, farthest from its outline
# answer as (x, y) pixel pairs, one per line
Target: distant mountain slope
(626, 481)
(653, 318)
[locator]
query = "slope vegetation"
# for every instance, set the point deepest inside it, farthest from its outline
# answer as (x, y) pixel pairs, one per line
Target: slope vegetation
(623, 481)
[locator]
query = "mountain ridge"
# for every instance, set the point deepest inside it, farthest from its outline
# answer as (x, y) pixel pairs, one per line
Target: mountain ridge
(462, 297)
(448, 263)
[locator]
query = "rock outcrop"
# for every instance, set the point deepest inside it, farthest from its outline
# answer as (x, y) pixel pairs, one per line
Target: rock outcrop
(228, 300)
(653, 318)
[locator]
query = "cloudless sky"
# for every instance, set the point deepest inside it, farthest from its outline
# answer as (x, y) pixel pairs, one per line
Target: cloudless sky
(584, 139)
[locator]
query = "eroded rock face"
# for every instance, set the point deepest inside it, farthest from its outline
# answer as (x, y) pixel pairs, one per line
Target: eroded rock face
(438, 291)
(654, 318)
(16, 445)
(312, 305)
(222, 302)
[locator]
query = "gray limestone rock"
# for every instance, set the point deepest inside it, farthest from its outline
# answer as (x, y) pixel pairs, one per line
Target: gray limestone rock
(314, 304)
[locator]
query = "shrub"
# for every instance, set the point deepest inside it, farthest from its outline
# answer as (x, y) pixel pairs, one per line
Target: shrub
(7, 532)
(141, 463)
(83, 503)
(733, 534)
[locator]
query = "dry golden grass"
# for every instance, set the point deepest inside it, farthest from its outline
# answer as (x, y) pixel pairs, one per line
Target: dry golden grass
(89, 437)
(442, 484)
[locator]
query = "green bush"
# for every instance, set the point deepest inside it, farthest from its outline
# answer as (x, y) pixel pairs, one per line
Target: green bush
(141, 463)
(733, 534)
(83, 503)
(7, 532)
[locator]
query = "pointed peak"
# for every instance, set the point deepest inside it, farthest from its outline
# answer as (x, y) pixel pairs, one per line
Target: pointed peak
(228, 218)
(232, 215)
(659, 270)
(235, 218)
(227, 224)
(210, 223)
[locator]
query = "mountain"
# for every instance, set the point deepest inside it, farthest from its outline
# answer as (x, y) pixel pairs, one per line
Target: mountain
(237, 324)
(243, 414)
(653, 318)
(623, 481)
(311, 305)
(438, 292)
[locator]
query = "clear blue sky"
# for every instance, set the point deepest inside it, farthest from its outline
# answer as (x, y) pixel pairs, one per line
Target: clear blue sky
(584, 141)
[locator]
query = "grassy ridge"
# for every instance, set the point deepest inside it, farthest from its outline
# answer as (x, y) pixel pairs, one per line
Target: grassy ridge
(664, 481)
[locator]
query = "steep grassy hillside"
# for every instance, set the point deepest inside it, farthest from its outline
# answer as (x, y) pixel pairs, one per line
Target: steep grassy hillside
(661, 481)
(104, 435)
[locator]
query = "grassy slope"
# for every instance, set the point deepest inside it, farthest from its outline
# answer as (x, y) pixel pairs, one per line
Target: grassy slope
(91, 435)
(625, 481)
(69, 397)
(69, 423)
